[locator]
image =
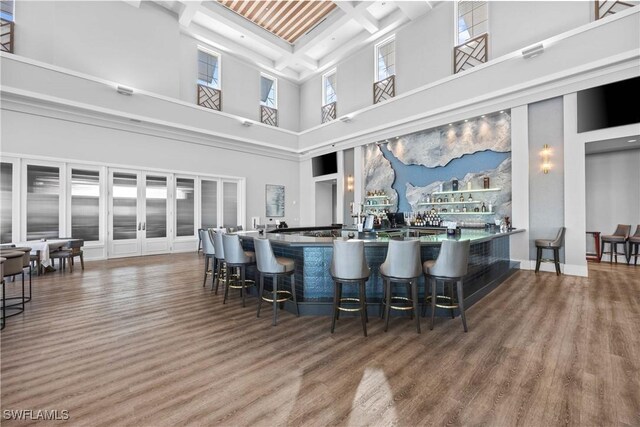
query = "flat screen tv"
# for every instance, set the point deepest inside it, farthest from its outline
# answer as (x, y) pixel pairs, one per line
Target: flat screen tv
(324, 165)
(609, 105)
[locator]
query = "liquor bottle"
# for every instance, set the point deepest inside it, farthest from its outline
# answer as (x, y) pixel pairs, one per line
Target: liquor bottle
(483, 208)
(469, 185)
(470, 199)
(490, 207)
(453, 198)
(464, 209)
(446, 199)
(462, 198)
(454, 185)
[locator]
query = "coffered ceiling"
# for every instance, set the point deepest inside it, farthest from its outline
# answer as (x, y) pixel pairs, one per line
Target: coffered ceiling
(292, 38)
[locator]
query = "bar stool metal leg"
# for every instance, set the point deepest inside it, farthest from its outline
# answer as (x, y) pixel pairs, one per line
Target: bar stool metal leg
(434, 293)
(275, 299)
(414, 298)
(261, 279)
(293, 293)
(461, 304)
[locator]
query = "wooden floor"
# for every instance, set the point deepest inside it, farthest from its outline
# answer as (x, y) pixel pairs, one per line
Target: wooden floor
(140, 342)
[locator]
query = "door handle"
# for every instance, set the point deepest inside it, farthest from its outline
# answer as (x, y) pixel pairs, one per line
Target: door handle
(139, 225)
(144, 225)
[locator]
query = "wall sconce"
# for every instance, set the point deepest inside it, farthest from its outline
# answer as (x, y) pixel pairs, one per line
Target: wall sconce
(546, 154)
(350, 183)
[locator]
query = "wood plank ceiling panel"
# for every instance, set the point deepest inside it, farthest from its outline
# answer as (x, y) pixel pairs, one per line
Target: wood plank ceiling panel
(287, 19)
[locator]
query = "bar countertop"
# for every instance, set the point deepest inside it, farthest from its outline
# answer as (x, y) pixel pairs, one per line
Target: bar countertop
(295, 240)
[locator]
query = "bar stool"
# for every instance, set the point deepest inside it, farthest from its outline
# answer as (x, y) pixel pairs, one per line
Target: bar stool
(402, 266)
(450, 267)
(554, 245)
(208, 251)
(272, 266)
(200, 239)
(620, 236)
(26, 264)
(2, 260)
(12, 266)
(634, 242)
(349, 266)
(236, 257)
(219, 267)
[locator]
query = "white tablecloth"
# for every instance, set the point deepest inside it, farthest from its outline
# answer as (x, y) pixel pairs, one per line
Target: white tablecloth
(44, 248)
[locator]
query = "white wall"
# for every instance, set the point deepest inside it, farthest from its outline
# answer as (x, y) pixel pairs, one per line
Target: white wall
(514, 25)
(141, 48)
(613, 190)
(35, 135)
(424, 49)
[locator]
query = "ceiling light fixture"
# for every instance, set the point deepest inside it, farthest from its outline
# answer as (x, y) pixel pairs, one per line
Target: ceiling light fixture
(501, 111)
(123, 90)
(632, 140)
(533, 51)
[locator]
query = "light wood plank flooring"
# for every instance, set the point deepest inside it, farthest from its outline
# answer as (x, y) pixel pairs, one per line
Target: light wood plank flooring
(140, 342)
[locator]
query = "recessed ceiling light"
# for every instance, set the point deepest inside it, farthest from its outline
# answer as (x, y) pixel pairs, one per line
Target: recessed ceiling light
(466, 120)
(502, 111)
(241, 36)
(483, 116)
(450, 124)
(632, 140)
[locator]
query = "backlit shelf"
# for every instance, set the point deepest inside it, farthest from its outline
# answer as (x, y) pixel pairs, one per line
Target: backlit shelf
(475, 190)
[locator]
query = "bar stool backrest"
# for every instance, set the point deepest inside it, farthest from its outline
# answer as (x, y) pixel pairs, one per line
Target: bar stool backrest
(13, 262)
(233, 252)
(207, 242)
(558, 242)
(453, 259)
(26, 255)
(218, 248)
(622, 230)
(403, 259)
(265, 258)
(2, 260)
(348, 261)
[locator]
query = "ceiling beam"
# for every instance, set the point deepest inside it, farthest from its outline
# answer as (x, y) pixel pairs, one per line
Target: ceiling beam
(257, 34)
(360, 14)
(189, 10)
(224, 44)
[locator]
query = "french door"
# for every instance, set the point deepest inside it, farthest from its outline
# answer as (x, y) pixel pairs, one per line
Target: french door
(139, 213)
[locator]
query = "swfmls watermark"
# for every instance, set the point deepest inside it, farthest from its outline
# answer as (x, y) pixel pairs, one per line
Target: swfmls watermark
(35, 414)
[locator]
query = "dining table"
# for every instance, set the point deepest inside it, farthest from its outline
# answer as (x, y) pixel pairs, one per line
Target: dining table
(43, 248)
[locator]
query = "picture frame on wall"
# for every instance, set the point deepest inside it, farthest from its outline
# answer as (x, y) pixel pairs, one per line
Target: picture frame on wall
(274, 200)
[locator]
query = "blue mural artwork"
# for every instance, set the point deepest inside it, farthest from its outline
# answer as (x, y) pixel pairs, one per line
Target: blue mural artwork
(420, 176)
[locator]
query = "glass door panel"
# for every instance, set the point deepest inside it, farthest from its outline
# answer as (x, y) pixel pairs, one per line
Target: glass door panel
(6, 202)
(125, 206)
(185, 207)
(156, 207)
(230, 204)
(43, 202)
(209, 204)
(85, 205)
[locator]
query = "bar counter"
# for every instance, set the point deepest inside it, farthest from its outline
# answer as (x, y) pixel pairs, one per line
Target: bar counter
(489, 265)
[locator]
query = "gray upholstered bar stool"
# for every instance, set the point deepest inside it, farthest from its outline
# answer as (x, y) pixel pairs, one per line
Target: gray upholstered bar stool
(634, 243)
(555, 245)
(209, 252)
(272, 266)
(219, 267)
(620, 236)
(2, 260)
(349, 266)
(236, 257)
(402, 266)
(12, 266)
(449, 268)
(26, 264)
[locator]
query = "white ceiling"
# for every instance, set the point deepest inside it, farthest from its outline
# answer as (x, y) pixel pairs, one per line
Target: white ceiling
(612, 145)
(350, 26)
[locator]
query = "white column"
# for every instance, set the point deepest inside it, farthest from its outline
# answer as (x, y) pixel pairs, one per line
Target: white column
(575, 206)
(519, 243)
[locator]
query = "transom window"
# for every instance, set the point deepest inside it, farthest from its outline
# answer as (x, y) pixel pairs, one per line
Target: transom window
(329, 88)
(471, 19)
(7, 10)
(268, 91)
(209, 69)
(385, 59)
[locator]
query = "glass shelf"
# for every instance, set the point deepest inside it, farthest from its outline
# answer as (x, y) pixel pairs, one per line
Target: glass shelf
(466, 213)
(380, 205)
(451, 203)
(376, 197)
(475, 190)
